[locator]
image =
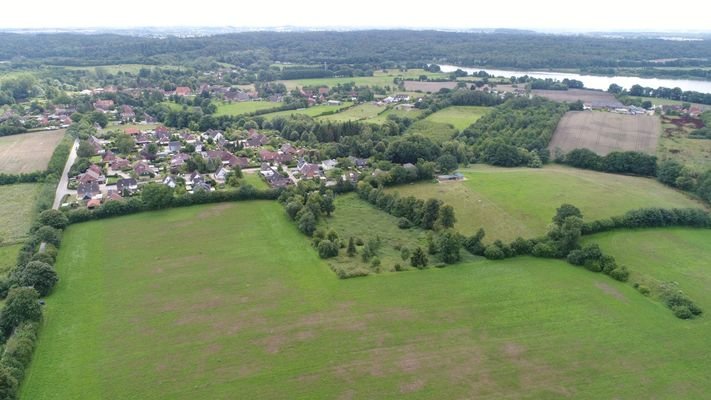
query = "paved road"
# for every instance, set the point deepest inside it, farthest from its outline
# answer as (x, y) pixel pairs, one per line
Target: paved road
(64, 180)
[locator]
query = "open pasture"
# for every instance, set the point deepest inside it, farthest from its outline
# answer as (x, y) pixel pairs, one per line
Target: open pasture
(310, 111)
(362, 112)
(243, 302)
(605, 132)
(28, 152)
(521, 201)
(17, 210)
(459, 117)
(244, 107)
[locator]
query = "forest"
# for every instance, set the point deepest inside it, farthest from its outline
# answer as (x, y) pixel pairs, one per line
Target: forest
(504, 50)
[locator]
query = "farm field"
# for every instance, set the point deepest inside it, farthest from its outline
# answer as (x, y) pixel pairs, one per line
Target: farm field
(459, 117)
(208, 318)
(594, 97)
(605, 132)
(361, 112)
(28, 152)
(17, 208)
(244, 107)
(664, 255)
(310, 111)
(521, 201)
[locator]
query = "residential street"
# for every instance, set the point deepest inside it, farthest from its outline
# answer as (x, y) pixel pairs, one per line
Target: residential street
(64, 179)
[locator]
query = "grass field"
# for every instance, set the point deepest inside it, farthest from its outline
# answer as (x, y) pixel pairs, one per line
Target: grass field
(675, 144)
(605, 132)
(8, 257)
(521, 202)
(584, 95)
(383, 117)
(244, 107)
(358, 219)
(436, 131)
(254, 180)
(243, 305)
(17, 208)
(28, 152)
(362, 112)
(311, 111)
(664, 255)
(459, 117)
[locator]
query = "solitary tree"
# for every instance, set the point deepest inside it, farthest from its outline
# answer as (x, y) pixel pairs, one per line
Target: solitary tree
(430, 213)
(565, 211)
(351, 251)
(54, 218)
(418, 258)
(156, 196)
(446, 217)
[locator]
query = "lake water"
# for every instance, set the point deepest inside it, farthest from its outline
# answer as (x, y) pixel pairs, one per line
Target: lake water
(594, 81)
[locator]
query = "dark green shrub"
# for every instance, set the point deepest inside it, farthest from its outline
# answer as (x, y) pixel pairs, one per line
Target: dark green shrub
(494, 252)
(620, 273)
(682, 312)
(327, 249)
(404, 223)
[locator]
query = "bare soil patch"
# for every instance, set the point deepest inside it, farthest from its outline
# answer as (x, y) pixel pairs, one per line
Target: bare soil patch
(609, 290)
(28, 152)
(604, 132)
(592, 97)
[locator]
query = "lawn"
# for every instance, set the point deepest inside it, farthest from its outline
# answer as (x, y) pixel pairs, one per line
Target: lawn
(664, 255)
(521, 202)
(229, 300)
(459, 117)
(362, 112)
(17, 210)
(311, 111)
(28, 152)
(244, 107)
(255, 180)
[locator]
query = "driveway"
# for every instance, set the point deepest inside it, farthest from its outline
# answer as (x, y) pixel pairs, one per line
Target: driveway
(64, 179)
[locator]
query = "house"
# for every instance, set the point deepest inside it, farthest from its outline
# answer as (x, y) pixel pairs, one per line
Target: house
(127, 113)
(97, 144)
(215, 135)
(308, 170)
(202, 187)
(119, 163)
(113, 195)
(87, 191)
(221, 174)
(278, 180)
(132, 131)
(358, 162)
(108, 157)
(183, 91)
(453, 177)
(178, 161)
(333, 103)
(103, 105)
(142, 168)
(328, 165)
(268, 156)
(255, 139)
(161, 130)
(92, 175)
(266, 170)
(144, 139)
(193, 178)
(170, 182)
(93, 203)
(174, 146)
(127, 186)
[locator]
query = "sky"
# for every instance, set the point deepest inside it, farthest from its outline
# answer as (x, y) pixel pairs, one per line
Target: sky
(543, 15)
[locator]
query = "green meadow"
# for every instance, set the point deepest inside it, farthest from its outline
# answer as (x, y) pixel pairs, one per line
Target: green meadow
(362, 112)
(310, 111)
(511, 202)
(379, 78)
(17, 210)
(459, 117)
(244, 107)
(230, 301)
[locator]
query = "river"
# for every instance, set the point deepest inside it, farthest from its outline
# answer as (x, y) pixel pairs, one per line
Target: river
(595, 81)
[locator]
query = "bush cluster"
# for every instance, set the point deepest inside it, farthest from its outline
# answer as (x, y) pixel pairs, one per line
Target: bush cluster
(651, 218)
(626, 162)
